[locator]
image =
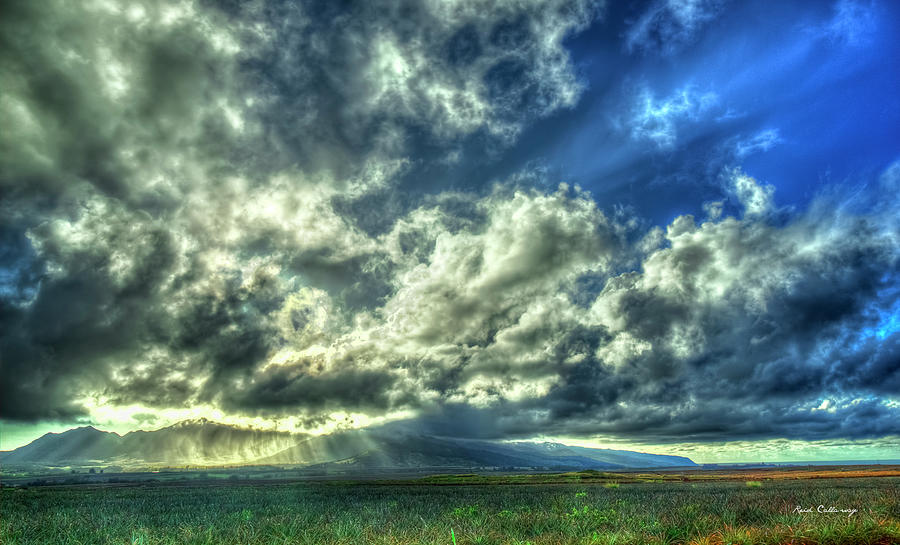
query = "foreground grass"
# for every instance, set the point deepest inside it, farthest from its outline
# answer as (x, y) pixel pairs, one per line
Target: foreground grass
(578, 513)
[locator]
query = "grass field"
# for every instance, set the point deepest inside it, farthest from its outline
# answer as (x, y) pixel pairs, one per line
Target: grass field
(583, 511)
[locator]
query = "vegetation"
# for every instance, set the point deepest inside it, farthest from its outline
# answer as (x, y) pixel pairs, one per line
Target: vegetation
(580, 512)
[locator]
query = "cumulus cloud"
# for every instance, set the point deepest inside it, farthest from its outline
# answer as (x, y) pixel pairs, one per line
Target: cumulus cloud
(199, 210)
(118, 98)
(144, 101)
(186, 178)
(368, 77)
(756, 198)
(736, 327)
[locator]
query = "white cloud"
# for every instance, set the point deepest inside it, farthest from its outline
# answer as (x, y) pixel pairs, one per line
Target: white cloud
(854, 23)
(756, 198)
(762, 141)
(656, 120)
(669, 25)
(890, 178)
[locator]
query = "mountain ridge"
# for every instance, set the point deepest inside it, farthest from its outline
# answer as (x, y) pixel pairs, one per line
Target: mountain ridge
(204, 442)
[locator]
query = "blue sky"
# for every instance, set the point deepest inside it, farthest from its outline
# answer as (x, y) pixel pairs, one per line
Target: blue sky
(670, 225)
(799, 96)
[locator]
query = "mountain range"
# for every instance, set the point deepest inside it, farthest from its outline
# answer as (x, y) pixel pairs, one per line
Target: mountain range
(206, 443)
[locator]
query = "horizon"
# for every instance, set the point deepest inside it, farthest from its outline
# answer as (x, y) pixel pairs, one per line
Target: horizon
(763, 451)
(653, 226)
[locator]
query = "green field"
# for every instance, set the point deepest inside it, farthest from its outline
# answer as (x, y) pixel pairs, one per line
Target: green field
(332, 513)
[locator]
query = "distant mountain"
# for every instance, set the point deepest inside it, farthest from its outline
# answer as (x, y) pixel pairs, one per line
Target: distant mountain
(201, 442)
(623, 458)
(194, 442)
(323, 448)
(85, 444)
(394, 448)
(364, 450)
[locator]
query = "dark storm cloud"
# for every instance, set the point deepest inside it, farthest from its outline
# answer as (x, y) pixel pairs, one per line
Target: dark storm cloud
(164, 194)
(107, 103)
(20, 270)
(300, 386)
(737, 328)
(338, 83)
(88, 306)
(98, 97)
(789, 330)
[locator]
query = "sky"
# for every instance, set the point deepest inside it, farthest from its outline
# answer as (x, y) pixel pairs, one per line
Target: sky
(672, 226)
